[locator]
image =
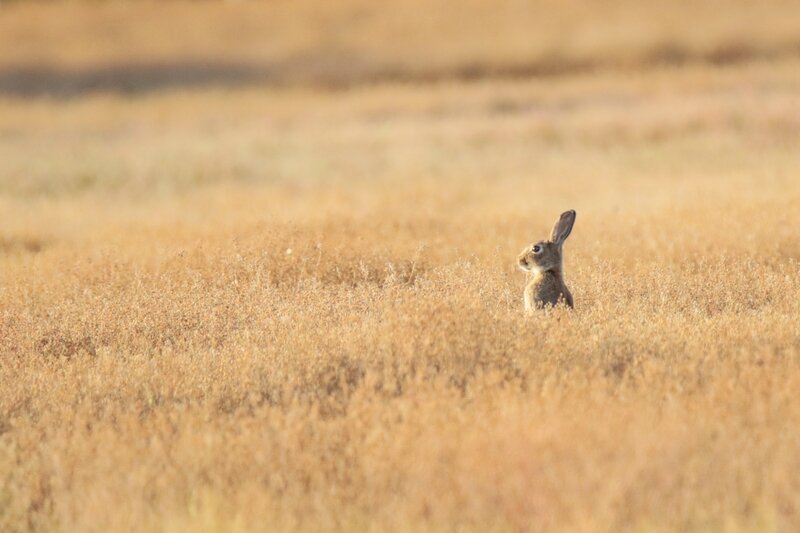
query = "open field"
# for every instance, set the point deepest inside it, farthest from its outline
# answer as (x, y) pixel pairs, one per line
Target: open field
(287, 299)
(140, 46)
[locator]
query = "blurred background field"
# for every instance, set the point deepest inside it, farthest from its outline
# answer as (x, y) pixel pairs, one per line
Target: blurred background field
(257, 266)
(141, 46)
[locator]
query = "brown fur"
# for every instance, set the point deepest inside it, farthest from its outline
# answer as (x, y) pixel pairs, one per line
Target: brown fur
(544, 259)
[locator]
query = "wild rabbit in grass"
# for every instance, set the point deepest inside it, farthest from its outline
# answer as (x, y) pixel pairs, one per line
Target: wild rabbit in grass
(544, 260)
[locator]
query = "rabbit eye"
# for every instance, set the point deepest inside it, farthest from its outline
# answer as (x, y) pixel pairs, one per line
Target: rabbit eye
(537, 248)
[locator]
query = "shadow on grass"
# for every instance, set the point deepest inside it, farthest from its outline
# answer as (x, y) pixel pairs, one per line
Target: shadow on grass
(339, 69)
(133, 78)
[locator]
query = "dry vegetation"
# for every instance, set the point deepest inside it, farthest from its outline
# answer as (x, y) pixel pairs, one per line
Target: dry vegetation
(245, 306)
(342, 43)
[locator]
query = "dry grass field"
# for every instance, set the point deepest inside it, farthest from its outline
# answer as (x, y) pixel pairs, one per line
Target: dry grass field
(257, 266)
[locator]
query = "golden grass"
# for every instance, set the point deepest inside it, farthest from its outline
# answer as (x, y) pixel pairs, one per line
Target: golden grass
(351, 41)
(253, 309)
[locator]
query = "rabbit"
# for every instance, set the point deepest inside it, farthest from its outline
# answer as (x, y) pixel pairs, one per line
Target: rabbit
(544, 259)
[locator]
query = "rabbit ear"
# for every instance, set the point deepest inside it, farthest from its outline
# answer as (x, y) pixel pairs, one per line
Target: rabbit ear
(563, 227)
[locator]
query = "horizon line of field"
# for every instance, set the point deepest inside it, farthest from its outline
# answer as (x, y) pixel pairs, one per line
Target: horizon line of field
(340, 70)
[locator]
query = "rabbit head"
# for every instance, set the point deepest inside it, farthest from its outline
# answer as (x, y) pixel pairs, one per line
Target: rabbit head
(546, 256)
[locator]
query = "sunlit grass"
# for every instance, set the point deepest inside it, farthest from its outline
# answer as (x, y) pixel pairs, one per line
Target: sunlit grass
(284, 309)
